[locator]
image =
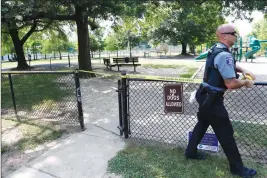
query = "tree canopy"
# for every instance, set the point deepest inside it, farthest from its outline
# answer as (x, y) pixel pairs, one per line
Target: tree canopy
(190, 24)
(260, 31)
(148, 17)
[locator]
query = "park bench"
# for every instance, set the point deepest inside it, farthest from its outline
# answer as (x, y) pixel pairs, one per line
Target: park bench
(122, 61)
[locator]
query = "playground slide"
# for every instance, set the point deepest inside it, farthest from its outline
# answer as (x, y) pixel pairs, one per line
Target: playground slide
(249, 54)
(202, 56)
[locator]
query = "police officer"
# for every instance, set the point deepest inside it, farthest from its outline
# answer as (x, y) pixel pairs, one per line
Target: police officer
(220, 74)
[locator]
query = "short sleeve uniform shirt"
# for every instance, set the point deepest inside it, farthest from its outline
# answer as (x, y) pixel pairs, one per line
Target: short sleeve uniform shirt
(224, 62)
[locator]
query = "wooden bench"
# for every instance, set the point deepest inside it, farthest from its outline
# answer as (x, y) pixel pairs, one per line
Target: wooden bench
(122, 61)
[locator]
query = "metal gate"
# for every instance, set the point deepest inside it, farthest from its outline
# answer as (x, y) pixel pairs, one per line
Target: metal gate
(142, 115)
(42, 95)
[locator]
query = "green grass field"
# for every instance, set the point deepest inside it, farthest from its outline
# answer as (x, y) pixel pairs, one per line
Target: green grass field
(250, 133)
(141, 161)
(33, 91)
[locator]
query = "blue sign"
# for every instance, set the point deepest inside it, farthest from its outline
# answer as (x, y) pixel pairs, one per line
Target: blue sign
(209, 142)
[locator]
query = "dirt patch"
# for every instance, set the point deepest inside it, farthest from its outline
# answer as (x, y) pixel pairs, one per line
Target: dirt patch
(25, 140)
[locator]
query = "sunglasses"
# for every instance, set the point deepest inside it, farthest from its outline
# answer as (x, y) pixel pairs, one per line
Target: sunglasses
(231, 33)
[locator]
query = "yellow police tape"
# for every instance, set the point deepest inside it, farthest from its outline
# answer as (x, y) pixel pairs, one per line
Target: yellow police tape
(175, 79)
(146, 77)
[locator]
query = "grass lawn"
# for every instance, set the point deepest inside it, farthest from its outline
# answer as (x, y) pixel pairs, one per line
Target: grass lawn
(190, 72)
(250, 134)
(34, 91)
(29, 133)
(141, 161)
(34, 94)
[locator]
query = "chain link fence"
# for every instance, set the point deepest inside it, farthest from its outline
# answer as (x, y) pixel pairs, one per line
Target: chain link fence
(42, 95)
(142, 102)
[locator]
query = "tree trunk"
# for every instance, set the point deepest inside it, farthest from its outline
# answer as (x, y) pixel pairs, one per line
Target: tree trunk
(22, 64)
(192, 49)
(184, 48)
(84, 57)
(60, 57)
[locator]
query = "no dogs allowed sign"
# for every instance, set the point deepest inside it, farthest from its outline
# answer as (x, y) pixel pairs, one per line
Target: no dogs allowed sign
(173, 98)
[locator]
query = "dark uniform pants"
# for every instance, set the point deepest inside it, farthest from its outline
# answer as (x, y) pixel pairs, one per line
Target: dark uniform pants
(218, 118)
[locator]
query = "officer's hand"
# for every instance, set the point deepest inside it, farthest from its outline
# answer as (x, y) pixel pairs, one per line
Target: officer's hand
(250, 74)
(249, 83)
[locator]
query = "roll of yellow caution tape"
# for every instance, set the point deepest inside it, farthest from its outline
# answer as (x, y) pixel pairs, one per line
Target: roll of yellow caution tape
(248, 77)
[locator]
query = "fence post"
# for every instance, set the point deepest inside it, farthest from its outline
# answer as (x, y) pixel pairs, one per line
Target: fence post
(124, 105)
(50, 63)
(120, 108)
(79, 99)
(12, 92)
(69, 59)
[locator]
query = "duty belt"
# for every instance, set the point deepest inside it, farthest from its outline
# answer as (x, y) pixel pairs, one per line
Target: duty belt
(204, 89)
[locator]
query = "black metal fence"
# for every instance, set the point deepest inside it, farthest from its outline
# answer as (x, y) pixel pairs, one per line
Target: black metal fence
(42, 95)
(142, 116)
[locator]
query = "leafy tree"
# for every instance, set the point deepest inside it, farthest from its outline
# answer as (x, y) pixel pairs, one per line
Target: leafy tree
(56, 40)
(96, 42)
(153, 16)
(6, 45)
(190, 24)
(12, 23)
(260, 31)
(84, 13)
(242, 9)
(126, 33)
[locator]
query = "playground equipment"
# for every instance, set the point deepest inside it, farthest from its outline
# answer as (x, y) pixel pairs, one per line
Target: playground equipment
(255, 46)
(203, 55)
(238, 51)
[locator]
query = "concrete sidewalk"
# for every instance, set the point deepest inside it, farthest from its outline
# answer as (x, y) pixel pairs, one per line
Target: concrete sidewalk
(82, 155)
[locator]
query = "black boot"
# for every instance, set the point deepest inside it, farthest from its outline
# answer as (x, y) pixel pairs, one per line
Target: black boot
(198, 156)
(245, 173)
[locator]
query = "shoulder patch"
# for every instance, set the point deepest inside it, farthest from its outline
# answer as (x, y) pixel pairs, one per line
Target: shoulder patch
(229, 60)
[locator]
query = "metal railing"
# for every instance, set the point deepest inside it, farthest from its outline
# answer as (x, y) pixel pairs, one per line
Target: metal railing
(142, 115)
(42, 95)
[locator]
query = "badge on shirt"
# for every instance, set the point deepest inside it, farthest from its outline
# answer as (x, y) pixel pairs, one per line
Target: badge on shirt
(229, 60)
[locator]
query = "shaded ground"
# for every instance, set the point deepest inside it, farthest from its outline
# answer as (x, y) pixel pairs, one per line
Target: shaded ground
(46, 105)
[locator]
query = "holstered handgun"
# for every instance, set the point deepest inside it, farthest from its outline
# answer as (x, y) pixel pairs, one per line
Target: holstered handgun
(210, 98)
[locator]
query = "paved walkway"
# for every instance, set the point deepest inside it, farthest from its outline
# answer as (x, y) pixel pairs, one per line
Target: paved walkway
(81, 155)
